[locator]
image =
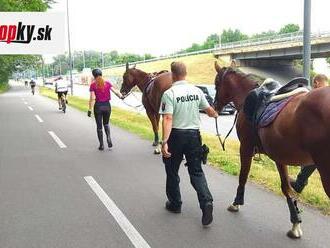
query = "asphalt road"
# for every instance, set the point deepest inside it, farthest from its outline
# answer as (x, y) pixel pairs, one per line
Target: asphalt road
(51, 196)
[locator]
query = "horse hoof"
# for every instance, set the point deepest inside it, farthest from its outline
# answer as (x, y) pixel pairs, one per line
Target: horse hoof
(295, 232)
(157, 151)
(233, 208)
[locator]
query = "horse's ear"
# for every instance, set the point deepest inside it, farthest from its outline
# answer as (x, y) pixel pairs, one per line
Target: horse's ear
(127, 66)
(134, 66)
(217, 66)
(233, 64)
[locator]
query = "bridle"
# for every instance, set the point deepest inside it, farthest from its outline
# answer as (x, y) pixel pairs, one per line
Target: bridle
(130, 92)
(222, 143)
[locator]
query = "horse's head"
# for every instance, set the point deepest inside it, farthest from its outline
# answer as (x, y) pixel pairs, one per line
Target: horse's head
(231, 85)
(223, 87)
(129, 80)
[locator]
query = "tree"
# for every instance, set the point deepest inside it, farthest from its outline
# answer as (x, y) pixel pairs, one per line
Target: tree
(20, 5)
(232, 35)
(148, 56)
(194, 47)
(289, 28)
(268, 33)
(211, 41)
(328, 60)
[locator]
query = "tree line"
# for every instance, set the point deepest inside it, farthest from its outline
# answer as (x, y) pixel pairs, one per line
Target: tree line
(91, 59)
(232, 35)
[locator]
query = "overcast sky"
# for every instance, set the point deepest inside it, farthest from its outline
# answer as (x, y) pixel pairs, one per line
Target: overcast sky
(165, 26)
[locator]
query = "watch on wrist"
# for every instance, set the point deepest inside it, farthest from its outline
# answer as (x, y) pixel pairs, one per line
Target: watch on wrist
(164, 142)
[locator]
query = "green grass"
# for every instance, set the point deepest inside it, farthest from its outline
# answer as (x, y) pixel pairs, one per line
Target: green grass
(4, 87)
(262, 172)
(200, 68)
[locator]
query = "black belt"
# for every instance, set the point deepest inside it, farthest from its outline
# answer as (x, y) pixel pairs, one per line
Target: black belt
(178, 130)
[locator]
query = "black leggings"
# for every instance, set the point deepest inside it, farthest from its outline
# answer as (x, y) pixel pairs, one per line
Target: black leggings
(102, 112)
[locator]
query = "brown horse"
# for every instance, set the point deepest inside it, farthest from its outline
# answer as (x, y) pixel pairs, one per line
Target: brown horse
(300, 135)
(152, 86)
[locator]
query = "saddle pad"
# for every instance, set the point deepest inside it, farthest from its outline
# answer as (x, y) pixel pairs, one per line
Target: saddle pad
(271, 112)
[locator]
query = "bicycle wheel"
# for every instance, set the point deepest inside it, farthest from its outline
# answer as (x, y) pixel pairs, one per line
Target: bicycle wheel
(63, 104)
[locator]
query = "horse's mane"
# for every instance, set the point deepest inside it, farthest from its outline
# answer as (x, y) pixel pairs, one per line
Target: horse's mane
(248, 77)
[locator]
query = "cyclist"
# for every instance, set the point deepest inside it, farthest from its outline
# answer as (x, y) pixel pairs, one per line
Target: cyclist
(61, 88)
(33, 85)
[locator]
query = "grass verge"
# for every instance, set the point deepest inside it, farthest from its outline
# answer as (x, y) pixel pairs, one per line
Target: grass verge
(200, 67)
(4, 87)
(262, 172)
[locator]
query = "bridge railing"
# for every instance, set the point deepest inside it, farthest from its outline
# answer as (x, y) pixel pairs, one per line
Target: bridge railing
(283, 38)
(290, 37)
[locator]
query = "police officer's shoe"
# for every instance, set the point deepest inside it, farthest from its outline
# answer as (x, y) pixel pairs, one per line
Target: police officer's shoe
(207, 217)
(173, 209)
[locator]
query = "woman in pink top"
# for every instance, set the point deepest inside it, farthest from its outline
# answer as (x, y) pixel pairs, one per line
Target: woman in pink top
(100, 97)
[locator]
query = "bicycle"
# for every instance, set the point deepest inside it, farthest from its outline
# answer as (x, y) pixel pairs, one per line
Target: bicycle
(63, 103)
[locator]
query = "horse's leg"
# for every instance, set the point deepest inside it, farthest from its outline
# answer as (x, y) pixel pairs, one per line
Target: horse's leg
(322, 160)
(295, 217)
(154, 124)
(158, 148)
(246, 155)
(157, 117)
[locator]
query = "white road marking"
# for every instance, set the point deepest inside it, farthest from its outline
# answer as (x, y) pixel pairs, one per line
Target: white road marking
(30, 108)
(57, 139)
(25, 103)
(134, 236)
(38, 118)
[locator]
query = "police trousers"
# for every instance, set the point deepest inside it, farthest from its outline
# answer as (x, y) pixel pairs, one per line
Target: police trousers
(185, 142)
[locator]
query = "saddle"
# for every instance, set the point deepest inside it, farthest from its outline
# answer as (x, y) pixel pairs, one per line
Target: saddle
(270, 91)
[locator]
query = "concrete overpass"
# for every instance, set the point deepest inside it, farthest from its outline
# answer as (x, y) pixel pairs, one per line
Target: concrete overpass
(276, 50)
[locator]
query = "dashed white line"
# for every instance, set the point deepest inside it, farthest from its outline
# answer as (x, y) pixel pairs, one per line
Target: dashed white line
(30, 108)
(57, 139)
(134, 236)
(38, 118)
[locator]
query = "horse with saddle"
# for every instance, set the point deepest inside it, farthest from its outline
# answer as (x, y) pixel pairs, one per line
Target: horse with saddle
(290, 124)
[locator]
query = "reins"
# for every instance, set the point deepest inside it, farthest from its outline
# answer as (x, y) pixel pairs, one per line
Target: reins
(129, 105)
(223, 143)
(149, 80)
(238, 108)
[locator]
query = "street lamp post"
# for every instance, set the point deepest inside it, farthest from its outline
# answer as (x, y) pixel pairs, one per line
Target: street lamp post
(102, 59)
(70, 59)
(84, 59)
(307, 39)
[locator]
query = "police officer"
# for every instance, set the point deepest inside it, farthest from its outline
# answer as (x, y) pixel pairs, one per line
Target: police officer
(180, 107)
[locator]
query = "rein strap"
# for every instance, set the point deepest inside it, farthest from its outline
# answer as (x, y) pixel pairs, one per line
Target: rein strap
(222, 143)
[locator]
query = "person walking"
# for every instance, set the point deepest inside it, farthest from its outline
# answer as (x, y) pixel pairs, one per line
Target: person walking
(100, 97)
(301, 181)
(179, 108)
